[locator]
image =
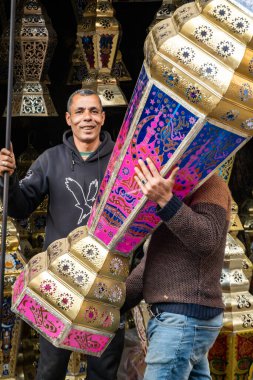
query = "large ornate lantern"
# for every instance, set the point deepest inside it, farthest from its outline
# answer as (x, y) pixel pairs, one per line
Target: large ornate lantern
(34, 44)
(192, 107)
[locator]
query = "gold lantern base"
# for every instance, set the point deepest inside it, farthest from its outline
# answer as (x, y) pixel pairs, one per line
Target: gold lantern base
(32, 99)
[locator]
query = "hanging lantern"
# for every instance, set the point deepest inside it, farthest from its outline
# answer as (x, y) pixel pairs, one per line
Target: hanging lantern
(98, 37)
(34, 44)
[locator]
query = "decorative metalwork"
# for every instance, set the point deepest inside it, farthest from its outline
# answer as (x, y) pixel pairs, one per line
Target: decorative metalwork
(34, 45)
(78, 70)
(228, 357)
(174, 118)
(167, 10)
(98, 36)
(246, 216)
(11, 325)
(77, 367)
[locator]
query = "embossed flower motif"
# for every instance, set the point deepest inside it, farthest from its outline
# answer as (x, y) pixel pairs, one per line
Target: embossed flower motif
(193, 94)
(90, 251)
(203, 33)
(115, 294)
(116, 266)
(81, 278)
(107, 319)
(225, 49)
(208, 70)
(105, 23)
(91, 314)
(230, 115)
(247, 124)
(222, 12)
(247, 320)
(237, 276)
(245, 92)
(185, 55)
(240, 25)
(103, 7)
(65, 301)
(65, 267)
(101, 290)
(108, 94)
(243, 302)
(171, 78)
(48, 287)
(223, 277)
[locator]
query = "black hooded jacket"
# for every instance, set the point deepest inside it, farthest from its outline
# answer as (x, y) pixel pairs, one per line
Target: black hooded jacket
(70, 183)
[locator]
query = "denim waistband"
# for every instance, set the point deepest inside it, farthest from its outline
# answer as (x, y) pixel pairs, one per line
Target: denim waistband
(188, 309)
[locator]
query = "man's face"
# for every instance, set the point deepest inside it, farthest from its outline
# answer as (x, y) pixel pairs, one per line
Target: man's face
(85, 117)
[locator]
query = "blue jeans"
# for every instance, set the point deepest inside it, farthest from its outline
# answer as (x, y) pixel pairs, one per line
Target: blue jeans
(178, 347)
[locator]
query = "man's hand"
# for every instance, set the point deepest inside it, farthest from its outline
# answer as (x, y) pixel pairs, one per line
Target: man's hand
(7, 161)
(152, 184)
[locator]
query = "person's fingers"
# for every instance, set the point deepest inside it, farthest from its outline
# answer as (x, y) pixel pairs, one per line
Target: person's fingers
(140, 175)
(152, 167)
(173, 174)
(145, 170)
(141, 182)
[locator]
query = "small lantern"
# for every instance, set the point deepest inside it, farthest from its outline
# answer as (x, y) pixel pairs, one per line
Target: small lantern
(34, 44)
(98, 36)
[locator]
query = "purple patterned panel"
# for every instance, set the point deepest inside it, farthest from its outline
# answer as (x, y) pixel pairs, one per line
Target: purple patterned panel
(86, 341)
(208, 150)
(40, 318)
(133, 105)
(105, 45)
(163, 125)
(144, 223)
(88, 47)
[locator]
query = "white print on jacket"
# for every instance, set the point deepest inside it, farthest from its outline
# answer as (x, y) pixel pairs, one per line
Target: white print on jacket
(82, 202)
(27, 176)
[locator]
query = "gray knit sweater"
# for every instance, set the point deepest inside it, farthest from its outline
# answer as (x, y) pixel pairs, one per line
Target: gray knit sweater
(185, 256)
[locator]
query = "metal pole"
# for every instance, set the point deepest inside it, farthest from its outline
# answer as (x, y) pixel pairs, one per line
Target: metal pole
(7, 145)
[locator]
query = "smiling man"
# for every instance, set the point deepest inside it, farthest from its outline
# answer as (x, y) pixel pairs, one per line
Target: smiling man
(70, 174)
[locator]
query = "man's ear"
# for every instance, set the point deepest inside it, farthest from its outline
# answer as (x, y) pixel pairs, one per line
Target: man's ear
(67, 117)
(103, 114)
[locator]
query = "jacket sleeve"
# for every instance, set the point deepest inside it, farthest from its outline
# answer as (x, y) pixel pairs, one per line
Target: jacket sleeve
(200, 226)
(26, 195)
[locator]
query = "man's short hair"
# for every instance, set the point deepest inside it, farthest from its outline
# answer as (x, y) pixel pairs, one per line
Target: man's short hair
(82, 92)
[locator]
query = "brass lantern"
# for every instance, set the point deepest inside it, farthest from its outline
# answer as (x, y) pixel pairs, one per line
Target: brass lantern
(98, 36)
(34, 43)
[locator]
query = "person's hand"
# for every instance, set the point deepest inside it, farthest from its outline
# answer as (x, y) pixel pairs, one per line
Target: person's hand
(7, 161)
(152, 184)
